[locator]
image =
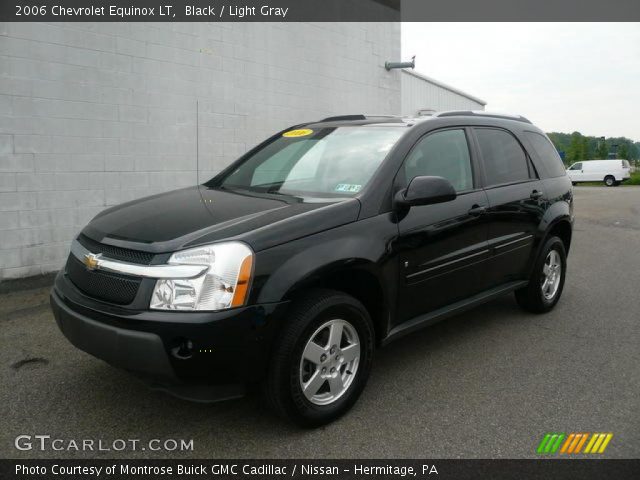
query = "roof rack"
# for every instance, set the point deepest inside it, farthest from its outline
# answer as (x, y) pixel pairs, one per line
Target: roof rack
(344, 118)
(481, 113)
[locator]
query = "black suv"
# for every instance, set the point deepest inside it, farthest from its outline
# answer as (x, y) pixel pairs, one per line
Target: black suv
(328, 240)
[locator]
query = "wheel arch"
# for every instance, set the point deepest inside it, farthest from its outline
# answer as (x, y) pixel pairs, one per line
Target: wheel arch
(557, 220)
(563, 229)
(355, 261)
(357, 278)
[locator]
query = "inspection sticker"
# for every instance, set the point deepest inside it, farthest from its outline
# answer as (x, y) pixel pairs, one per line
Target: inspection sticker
(348, 187)
(303, 132)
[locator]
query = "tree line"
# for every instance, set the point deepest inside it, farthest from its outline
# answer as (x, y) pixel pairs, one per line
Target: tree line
(574, 147)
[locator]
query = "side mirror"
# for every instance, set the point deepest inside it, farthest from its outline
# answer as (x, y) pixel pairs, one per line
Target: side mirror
(426, 191)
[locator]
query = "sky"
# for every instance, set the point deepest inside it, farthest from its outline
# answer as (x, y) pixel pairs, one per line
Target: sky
(564, 77)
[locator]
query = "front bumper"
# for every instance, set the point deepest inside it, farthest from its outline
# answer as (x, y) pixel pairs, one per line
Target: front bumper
(202, 356)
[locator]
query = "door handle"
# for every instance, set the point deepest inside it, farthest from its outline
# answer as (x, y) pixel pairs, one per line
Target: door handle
(535, 195)
(477, 210)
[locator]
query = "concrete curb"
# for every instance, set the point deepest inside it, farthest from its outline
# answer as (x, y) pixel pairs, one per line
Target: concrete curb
(27, 283)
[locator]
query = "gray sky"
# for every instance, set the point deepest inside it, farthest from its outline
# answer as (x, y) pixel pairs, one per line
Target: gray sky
(563, 76)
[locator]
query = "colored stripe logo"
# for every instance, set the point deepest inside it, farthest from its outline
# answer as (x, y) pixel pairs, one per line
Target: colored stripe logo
(573, 443)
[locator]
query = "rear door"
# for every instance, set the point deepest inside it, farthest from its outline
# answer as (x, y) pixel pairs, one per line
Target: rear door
(441, 248)
(516, 203)
(595, 171)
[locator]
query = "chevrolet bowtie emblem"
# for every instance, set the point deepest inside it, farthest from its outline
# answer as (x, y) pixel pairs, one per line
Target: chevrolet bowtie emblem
(91, 260)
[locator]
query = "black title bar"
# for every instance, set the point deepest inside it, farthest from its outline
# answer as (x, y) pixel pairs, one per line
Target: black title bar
(320, 469)
(317, 10)
(200, 10)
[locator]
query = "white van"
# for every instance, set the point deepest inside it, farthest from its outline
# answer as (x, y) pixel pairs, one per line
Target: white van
(611, 172)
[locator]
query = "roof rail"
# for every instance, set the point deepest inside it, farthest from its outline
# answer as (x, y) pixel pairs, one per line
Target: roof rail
(481, 113)
(345, 118)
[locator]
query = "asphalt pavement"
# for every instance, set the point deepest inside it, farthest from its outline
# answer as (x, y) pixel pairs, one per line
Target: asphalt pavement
(486, 384)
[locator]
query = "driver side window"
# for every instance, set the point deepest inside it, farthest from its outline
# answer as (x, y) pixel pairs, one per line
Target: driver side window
(442, 154)
(576, 166)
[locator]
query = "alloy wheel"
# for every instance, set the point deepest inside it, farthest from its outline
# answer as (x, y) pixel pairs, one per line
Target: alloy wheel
(329, 362)
(551, 275)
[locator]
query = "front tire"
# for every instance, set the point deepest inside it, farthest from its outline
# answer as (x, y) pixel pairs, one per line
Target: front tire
(322, 359)
(547, 278)
(609, 180)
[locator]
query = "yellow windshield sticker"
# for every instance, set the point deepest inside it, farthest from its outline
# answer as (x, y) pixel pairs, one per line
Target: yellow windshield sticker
(303, 132)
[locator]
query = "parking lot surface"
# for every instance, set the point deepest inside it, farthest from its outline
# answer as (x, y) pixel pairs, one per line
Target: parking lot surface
(486, 384)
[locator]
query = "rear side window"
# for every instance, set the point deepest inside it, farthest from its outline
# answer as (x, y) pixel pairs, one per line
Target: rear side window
(547, 154)
(503, 157)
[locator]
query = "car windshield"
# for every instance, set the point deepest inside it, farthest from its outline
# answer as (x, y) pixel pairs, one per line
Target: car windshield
(324, 162)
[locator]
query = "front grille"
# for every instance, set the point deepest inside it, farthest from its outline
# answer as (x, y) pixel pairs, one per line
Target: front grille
(117, 253)
(110, 287)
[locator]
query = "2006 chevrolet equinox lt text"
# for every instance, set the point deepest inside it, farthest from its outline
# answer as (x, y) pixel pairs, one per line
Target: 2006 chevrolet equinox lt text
(287, 269)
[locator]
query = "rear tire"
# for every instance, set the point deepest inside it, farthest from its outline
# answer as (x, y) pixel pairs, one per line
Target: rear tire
(547, 278)
(609, 180)
(322, 359)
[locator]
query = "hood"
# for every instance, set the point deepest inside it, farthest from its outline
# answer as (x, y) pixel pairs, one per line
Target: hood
(197, 215)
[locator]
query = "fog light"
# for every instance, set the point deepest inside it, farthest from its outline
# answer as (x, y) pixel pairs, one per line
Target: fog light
(183, 348)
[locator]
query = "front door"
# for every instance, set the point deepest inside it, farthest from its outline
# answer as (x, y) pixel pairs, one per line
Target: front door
(516, 204)
(441, 247)
(575, 172)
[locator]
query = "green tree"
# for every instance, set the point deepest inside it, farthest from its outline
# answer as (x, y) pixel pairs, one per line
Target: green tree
(602, 152)
(576, 148)
(584, 149)
(623, 151)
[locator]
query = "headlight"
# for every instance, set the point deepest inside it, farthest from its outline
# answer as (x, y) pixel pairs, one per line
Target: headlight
(224, 285)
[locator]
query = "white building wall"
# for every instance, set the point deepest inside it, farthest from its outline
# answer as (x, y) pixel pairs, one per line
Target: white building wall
(420, 92)
(95, 114)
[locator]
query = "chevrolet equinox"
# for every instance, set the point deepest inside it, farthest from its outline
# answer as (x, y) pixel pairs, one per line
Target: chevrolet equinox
(288, 268)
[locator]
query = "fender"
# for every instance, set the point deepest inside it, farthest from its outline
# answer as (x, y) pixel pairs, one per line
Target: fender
(556, 213)
(318, 261)
(363, 247)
